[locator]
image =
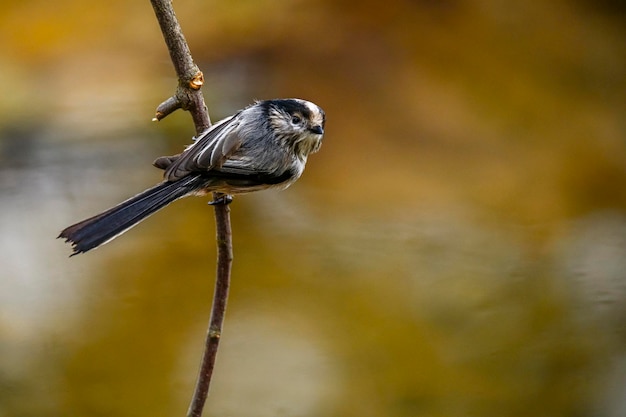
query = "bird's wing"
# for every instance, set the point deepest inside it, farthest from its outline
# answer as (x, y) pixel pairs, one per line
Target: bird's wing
(209, 151)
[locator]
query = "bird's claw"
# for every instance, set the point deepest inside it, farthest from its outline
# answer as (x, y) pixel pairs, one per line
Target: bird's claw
(223, 200)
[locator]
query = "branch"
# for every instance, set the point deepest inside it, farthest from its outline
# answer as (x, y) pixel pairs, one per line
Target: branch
(189, 97)
(190, 78)
(225, 258)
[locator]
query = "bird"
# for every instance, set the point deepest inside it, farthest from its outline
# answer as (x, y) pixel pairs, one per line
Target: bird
(264, 145)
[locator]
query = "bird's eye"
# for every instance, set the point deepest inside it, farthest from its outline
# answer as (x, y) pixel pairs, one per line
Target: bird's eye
(296, 120)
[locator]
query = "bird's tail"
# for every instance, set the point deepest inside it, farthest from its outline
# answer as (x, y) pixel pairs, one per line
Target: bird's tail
(98, 230)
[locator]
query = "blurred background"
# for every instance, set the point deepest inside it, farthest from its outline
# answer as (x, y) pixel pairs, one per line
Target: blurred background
(457, 247)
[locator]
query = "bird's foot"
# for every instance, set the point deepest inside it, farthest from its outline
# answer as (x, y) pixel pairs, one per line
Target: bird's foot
(222, 200)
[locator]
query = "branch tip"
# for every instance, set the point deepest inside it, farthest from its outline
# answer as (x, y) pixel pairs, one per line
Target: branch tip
(168, 106)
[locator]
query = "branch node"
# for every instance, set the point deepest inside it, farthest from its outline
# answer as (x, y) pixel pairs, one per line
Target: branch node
(197, 81)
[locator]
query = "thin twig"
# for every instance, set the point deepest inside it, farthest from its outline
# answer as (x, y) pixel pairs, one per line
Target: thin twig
(189, 97)
(225, 257)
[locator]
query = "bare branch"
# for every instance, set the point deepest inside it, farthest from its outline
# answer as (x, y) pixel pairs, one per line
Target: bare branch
(225, 257)
(189, 97)
(190, 78)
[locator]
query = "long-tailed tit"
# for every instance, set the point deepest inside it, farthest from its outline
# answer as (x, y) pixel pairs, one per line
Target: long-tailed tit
(263, 146)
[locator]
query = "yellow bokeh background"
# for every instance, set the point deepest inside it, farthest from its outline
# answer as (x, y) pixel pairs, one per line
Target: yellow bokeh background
(456, 248)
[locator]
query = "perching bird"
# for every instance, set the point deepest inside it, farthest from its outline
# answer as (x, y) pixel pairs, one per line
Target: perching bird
(263, 146)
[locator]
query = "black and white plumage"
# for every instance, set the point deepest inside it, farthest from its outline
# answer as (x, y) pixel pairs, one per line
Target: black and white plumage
(263, 146)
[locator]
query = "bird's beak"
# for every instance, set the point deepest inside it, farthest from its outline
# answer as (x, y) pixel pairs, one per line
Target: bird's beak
(317, 130)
